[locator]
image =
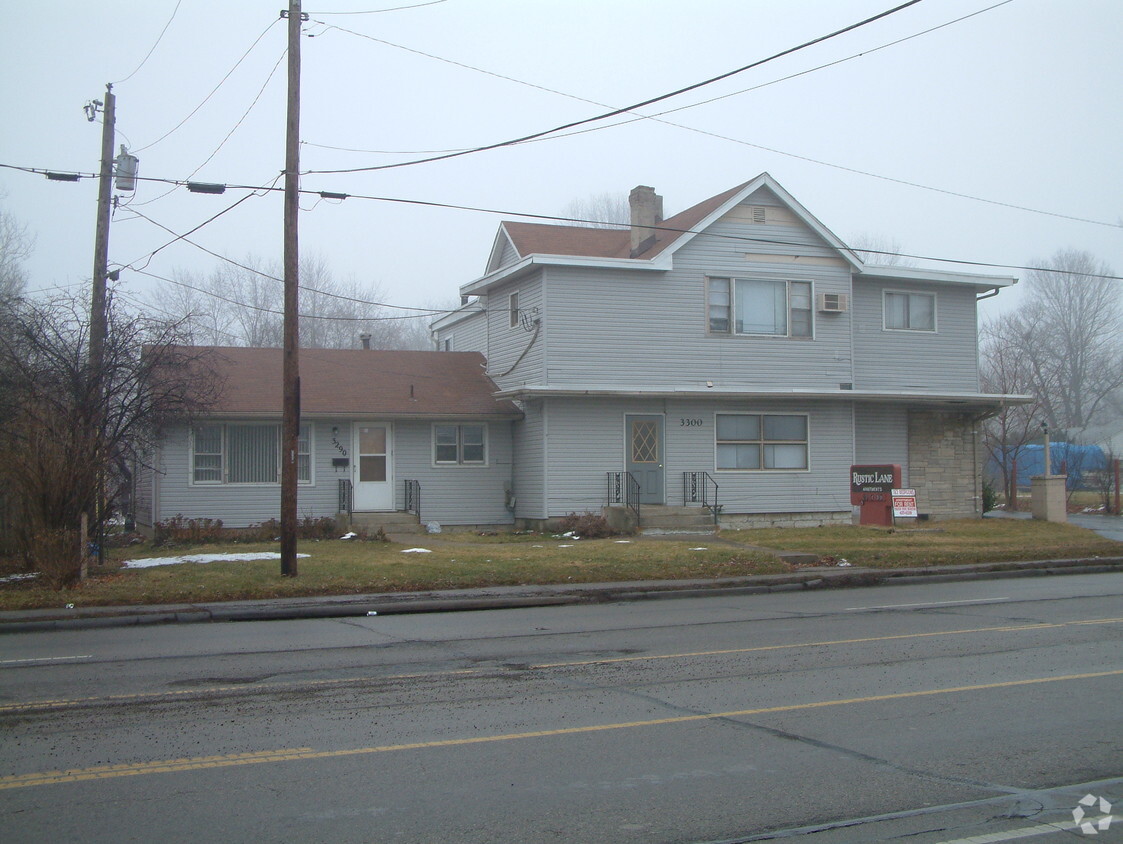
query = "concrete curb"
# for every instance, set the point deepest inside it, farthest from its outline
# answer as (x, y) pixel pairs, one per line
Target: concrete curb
(509, 597)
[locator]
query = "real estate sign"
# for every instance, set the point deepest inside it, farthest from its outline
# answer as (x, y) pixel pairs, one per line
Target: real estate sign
(904, 503)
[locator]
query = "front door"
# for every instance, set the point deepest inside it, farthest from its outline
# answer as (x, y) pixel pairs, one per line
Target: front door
(645, 456)
(374, 482)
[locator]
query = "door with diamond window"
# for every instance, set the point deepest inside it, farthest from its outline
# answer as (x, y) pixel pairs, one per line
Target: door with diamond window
(645, 455)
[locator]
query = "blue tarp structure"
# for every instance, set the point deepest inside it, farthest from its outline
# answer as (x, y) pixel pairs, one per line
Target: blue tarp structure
(1068, 458)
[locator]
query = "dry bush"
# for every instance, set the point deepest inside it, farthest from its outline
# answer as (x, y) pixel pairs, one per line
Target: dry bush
(55, 555)
(587, 526)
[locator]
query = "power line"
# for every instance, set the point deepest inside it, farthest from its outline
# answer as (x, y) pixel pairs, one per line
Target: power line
(633, 107)
(159, 38)
(380, 11)
(427, 311)
(221, 82)
(558, 218)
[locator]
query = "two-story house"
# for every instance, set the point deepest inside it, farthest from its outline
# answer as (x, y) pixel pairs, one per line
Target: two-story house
(737, 352)
(738, 348)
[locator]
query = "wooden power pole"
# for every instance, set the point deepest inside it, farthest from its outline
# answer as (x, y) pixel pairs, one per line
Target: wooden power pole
(290, 412)
(98, 317)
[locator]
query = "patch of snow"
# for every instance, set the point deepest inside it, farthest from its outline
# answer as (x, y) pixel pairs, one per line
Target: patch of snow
(149, 562)
(623, 542)
(349, 535)
(14, 578)
(416, 551)
(565, 546)
(699, 549)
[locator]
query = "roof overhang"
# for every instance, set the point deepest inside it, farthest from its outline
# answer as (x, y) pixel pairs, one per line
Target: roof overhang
(914, 274)
(661, 263)
(346, 415)
(952, 401)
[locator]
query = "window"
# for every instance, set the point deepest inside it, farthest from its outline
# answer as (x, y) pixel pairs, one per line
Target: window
(761, 441)
(459, 445)
(246, 454)
(513, 304)
(768, 307)
(910, 311)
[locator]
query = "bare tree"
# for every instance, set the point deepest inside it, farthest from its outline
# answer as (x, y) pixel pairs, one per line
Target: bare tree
(68, 438)
(1070, 333)
(243, 306)
(880, 250)
(1005, 369)
(599, 211)
(15, 247)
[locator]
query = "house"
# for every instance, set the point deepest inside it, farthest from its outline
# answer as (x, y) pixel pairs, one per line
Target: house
(736, 358)
(381, 431)
(738, 351)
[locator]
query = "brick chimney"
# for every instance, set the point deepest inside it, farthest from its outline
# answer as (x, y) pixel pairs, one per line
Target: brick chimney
(647, 210)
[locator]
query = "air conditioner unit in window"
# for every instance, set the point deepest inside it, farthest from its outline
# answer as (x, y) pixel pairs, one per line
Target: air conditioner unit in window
(833, 303)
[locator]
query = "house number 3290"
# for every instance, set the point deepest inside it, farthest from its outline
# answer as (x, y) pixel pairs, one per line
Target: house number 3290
(683, 422)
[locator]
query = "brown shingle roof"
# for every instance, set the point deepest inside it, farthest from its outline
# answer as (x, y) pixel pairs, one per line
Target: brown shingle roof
(361, 382)
(540, 239)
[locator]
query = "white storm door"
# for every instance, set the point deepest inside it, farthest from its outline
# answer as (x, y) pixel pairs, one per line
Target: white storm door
(374, 481)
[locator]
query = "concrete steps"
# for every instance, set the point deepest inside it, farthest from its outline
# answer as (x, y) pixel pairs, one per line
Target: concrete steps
(395, 522)
(655, 518)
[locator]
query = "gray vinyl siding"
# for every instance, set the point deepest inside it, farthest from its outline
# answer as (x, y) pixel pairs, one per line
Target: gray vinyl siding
(505, 344)
(241, 505)
(636, 329)
(943, 360)
(587, 440)
(507, 256)
(467, 335)
(530, 461)
(450, 495)
(881, 435)
(454, 495)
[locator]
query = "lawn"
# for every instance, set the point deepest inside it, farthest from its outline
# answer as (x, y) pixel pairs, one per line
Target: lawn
(466, 560)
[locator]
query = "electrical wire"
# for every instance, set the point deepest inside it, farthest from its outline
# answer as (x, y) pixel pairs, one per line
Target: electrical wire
(255, 271)
(614, 112)
(221, 82)
(554, 218)
(154, 46)
(380, 11)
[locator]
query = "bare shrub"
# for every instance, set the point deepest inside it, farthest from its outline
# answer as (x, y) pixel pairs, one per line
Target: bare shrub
(587, 525)
(56, 556)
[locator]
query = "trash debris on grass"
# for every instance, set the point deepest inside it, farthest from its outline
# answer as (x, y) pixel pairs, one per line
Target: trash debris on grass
(349, 535)
(416, 551)
(699, 549)
(565, 546)
(623, 542)
(842, 562)
(372, 612)
(433, 527)
(149, 562)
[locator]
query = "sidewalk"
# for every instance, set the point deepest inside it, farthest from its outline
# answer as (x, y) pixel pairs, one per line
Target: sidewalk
(501, 597)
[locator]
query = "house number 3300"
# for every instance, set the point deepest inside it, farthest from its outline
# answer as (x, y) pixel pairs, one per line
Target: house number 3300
(683, 422)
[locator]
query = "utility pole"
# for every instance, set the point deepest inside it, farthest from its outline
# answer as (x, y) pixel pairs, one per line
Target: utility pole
(290, 411)
(101, 239)
(98, 318)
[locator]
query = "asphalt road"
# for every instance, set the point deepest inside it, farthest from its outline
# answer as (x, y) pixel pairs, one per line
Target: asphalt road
(932, 712)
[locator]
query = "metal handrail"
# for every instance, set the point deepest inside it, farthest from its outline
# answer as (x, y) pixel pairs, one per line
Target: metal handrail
(346, 498)
(413, 497)
(623, 488)
(696, 489)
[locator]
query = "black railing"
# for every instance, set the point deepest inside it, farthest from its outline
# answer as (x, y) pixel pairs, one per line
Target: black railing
(623, 488)
(345, 498)
(413, 497)
(700, 488)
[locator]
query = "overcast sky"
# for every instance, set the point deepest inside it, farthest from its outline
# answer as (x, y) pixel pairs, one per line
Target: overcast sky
(1019, 106)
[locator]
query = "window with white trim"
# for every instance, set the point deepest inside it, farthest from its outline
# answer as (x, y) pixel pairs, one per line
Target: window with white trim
(245, 453)
(460, 445)
(909, 311)
(513, 305)
(759, 306)
(761, 442)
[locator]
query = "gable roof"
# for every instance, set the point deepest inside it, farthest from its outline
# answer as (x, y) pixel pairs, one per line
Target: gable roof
(360, 383)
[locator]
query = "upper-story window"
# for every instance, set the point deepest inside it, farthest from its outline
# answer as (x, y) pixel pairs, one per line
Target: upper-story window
(513, 305)
(910, 311)
(769, 307)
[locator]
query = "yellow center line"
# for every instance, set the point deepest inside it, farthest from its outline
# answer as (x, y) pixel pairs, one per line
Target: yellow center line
(289, 755)
(136, 697)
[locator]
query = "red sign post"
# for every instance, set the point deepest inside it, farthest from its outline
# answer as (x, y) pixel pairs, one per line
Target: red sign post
(871, 489)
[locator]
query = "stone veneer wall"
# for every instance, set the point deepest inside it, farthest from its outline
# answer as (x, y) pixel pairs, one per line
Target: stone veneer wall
(945, 461)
